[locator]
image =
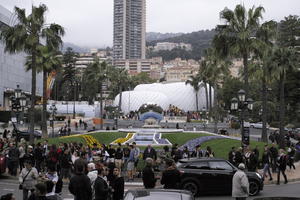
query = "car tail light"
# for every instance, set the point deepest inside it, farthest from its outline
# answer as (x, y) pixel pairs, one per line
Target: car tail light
(1, 158)
(181, 171)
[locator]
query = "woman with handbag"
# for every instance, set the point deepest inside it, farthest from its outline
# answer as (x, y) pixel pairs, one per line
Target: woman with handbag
(28, 179)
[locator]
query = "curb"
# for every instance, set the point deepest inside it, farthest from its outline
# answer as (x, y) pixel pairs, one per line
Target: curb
(273, 182)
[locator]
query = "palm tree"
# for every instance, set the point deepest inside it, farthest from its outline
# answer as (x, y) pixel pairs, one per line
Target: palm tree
(203, 77)
(194, 82)
(119, 81)
(217, 70)
(263, 68)
(284, 59)
(25, 36)
(47, 61)
(236, 36)
(95, 75)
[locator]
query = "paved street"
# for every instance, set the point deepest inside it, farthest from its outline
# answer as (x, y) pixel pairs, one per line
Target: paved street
(288, 190)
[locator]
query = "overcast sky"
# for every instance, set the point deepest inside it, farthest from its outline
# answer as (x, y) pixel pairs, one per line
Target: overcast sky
(90, 22)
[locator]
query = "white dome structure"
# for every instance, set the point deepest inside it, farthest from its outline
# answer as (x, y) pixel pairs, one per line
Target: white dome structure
(133, 100)
(178, 94)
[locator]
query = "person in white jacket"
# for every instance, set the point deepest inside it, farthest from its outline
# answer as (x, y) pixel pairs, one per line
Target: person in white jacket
(240, 184)
(28, 178)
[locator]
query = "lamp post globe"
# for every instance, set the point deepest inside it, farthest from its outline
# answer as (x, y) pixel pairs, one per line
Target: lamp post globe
(241, 95)
(250, 104)
(18, 92)
(234, 104)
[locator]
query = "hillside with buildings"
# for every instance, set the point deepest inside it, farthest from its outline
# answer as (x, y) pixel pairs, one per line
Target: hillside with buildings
(185, 46)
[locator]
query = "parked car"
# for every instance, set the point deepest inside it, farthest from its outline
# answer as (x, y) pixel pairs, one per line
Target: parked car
(2, 163)
(25, 134)
(154, 194)
(255, 125)
(213, 176)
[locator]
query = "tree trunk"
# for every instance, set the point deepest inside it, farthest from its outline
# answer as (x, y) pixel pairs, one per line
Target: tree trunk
(210, 98)
(281, 111)
(44, 110)
(33, 94)
(74, 103)
(101, 106)
(120, 98)
(197, 107)
(206, 95)
(216, 109)
(264, 135)
(246, 75)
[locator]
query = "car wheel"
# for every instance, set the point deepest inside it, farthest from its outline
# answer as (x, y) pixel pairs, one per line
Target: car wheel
(191, 186)
(251, 126)
(253, 188)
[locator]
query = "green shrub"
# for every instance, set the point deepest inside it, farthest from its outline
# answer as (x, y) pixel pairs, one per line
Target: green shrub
(274, 124)
(235, 125)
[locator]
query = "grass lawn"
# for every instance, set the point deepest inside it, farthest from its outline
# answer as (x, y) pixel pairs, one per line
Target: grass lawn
(182, 138)
(106, 137)
(221, 147)
(102, 137)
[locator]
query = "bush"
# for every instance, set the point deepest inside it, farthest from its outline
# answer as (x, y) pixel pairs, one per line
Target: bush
(274, 124)
(235, 125)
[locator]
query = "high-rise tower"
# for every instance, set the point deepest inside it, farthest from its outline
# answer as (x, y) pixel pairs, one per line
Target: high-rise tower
(129, 29)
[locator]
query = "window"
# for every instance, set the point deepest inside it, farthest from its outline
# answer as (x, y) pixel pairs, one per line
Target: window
(197, 165)
(220, 165)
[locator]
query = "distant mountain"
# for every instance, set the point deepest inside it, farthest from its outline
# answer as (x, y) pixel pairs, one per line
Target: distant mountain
(199, 40)
(75, 48)
(151, 36)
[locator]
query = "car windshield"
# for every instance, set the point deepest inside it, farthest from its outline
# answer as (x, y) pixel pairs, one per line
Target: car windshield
(164, 196)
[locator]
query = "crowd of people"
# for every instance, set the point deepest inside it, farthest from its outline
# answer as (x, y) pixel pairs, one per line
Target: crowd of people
(272, 159)
(100, 172)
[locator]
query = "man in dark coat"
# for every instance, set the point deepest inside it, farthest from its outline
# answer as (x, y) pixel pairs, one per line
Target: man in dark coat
(101, 188)
(274, 154)
(231, 156)
(239, 156)
(13, 159)
(80, 184)
(171, 177)
(149, 179)
(117, 185)
(282, 162)
(149, 153)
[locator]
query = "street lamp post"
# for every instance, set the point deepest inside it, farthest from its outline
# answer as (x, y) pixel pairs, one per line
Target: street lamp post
(53, 110)
(17, 103)
(242, 104)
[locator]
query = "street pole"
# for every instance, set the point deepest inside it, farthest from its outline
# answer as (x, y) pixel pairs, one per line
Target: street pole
(52, 124)
(242, 104)
(242, 126)
(74, 113)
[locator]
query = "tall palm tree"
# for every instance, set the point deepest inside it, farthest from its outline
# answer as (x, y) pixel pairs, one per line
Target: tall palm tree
(47, 61)
(96, 75)
(217, 70)
(203, 77)
(194, 82)
(284, 59)
(120, 81)
(236, 35)
(25, 36)
(263, 67)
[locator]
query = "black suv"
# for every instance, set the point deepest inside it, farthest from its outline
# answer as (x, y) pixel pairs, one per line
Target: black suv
(213, 176)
